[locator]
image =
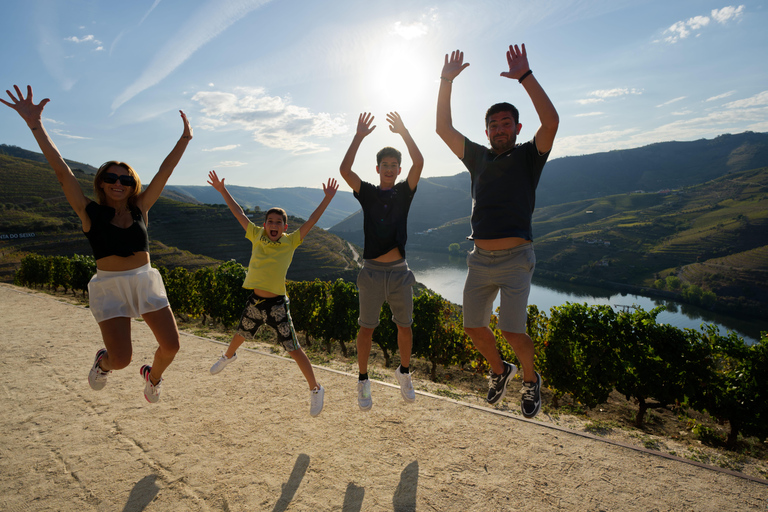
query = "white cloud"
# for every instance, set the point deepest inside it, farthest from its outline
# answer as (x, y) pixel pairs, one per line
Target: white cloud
(224, 148)
(89, 38)
(682, 29)
(205, 24)
(760, 99)
(231, 163)
(589, 114)
(727, 13)
(409, 31)
(720, 96)
(674, 100)
(733, 117)
(682, 112)
(602, 94)
(60, 133)
(272, 120)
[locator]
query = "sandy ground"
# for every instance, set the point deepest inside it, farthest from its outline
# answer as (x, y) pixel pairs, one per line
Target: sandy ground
(244, 440)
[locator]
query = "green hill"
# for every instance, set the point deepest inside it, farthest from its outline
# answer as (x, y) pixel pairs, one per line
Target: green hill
(35, 217)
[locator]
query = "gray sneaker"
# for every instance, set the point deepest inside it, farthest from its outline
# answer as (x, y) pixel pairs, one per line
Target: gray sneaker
(316, 397)
(364, 395)
(97, 378)
(151, 391)
(222, 363)
(406, 386)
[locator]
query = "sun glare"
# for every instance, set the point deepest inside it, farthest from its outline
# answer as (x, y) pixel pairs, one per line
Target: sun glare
(399, 76)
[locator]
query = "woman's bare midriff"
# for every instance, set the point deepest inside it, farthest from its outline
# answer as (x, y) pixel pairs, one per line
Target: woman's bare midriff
(122, 263)
(499, 244)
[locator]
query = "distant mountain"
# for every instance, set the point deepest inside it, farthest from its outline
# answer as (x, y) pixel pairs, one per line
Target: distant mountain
(36, 218)
(445, 202)
(297, 201)
(38, 157)
(650, 168)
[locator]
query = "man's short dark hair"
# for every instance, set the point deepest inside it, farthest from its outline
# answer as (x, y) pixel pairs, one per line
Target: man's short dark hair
(502, 107)
(389, 151)
(278, 211)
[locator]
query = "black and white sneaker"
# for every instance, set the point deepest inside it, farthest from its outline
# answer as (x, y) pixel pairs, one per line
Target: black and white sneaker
(531, 402)
(497, 385)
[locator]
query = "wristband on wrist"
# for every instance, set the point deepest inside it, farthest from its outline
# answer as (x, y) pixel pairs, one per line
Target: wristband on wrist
(525, 75)
(446, 79)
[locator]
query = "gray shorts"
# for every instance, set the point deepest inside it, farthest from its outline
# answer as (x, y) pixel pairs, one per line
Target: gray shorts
(385, 282)
(508, 270)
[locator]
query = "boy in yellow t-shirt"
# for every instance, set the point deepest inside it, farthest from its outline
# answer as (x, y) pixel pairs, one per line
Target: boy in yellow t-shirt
(270, 258)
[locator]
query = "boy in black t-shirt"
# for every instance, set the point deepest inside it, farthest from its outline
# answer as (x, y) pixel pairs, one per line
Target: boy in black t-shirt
(385, 275)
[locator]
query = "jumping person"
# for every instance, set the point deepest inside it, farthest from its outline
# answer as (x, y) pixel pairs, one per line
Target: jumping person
(125, 285)
(385, 275)
(504, 180)
(268, 304)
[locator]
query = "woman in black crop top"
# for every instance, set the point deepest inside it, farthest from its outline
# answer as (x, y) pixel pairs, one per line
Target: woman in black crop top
(125, 285)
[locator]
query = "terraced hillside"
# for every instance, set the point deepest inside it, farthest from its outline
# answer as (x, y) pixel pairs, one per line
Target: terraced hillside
(35, 217)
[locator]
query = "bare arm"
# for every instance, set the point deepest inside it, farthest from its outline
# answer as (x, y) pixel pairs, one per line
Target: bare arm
(518, 67)
(150, 195)
(329, 191)
(364, 128)
(235, 208)
(32, 115)
(451, 69)
(396, 125)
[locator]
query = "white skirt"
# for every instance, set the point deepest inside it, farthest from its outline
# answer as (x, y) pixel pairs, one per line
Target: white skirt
(126, 293)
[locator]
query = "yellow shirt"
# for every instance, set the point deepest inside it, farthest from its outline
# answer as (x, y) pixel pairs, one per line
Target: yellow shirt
(269, 260)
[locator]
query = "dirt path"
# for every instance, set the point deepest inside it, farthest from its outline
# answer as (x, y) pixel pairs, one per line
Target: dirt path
(244, 441)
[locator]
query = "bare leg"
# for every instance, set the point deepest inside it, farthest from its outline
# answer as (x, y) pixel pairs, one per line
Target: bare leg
(485, 343)
(364, 344)
(522, 344)
(305, 366)
(237, 340)
(405, 344)
(163, 326)
(116, 333)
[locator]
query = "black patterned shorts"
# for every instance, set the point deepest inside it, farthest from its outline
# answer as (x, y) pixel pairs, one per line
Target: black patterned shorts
(273, 312)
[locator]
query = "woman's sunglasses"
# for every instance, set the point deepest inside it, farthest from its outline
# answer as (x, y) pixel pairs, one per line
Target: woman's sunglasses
(125, 179)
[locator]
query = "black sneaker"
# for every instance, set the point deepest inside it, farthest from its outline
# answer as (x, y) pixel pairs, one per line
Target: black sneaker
(497, 385)
(531, 402)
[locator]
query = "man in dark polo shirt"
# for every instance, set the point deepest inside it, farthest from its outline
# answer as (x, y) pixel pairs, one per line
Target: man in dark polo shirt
(504, 180)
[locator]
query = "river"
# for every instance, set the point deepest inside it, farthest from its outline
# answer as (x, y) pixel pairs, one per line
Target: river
(445, 275)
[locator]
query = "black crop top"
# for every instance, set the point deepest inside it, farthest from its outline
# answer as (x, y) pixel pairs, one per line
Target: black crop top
(106, 239)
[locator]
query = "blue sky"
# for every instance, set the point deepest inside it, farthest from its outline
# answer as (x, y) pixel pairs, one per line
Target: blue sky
(273, 88)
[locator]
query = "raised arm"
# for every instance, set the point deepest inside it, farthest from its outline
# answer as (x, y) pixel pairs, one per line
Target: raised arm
(364, 128)
(517, 59)
(33, 116)
(236, 209)
(396, 125)
(149, 196)
(451, 69)
(329, 191)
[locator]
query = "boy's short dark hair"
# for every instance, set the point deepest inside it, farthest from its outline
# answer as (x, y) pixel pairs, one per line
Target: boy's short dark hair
(278, 211)
(389, 151)
(502, 107)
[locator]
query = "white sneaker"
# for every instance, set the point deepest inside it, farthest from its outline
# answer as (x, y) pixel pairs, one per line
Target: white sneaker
(316, 401)
(151, 391)
(97, 378)
(222, 363)
(364, 395)
(406, 386)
